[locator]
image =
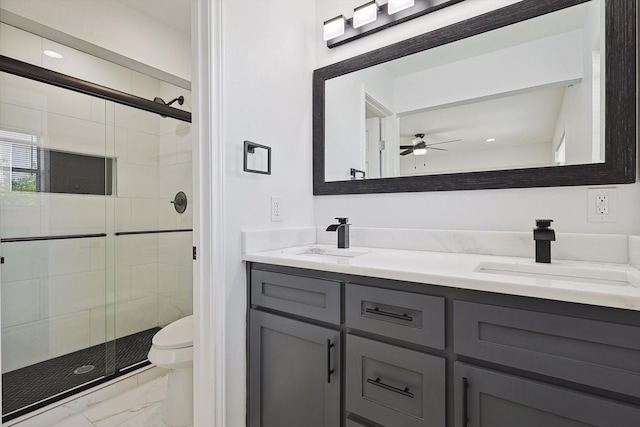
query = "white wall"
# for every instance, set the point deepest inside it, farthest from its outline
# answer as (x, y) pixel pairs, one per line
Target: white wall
(345, 118)
(268, 61)
(526, 155)
(509, 210)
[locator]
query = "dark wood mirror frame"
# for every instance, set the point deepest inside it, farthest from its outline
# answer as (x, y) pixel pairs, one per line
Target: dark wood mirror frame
(621, 107)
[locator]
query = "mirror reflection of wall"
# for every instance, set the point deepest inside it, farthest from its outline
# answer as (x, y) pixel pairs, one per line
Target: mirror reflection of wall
(516, 97)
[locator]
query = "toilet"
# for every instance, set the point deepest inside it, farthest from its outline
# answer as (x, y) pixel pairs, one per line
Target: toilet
(172, 348)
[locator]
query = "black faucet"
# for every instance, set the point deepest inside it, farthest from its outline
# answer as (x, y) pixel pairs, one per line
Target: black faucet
(343, 232)
(543, 235)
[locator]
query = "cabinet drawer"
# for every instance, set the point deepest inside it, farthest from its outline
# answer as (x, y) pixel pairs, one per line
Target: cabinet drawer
(393, 386)
(402, 315)
(596, 353)
(304, 296)
(486, 398)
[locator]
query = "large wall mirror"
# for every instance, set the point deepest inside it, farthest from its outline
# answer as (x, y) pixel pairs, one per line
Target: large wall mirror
(535, 94)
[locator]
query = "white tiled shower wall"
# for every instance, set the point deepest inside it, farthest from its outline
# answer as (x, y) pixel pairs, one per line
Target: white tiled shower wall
(59, 296)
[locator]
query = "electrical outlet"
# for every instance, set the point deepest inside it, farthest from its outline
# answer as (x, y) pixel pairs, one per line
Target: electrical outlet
(602, 204)
(276, 209)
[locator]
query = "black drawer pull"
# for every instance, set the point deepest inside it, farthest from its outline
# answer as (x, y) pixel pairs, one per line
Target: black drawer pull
(405, 392)
(329, 370)
(465, 401)
(389, 314)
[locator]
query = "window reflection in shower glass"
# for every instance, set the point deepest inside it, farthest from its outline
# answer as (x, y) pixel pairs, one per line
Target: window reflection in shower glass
(35, 169)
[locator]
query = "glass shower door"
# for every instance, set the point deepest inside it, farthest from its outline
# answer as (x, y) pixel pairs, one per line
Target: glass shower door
(153, 226)
(57, 182)
(95, 235)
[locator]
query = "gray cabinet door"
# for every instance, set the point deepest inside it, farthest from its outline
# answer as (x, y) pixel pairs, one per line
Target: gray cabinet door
(294, 373)
(492, 399)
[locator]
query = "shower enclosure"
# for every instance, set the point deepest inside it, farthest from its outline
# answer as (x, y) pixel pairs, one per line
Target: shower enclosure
(95, 244)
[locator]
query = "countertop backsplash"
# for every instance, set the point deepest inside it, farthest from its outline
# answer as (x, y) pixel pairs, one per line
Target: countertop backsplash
(634, 251)
(606, 248)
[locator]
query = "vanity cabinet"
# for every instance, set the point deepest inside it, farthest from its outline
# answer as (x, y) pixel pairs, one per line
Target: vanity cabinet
(336, 350)
(394, 386)
(487, 398)
(294, 364)
(386, 383)
(600, 354)
(586, 352)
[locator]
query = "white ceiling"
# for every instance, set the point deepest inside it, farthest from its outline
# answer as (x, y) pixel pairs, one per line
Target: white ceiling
(524, 118)
(551, 24)
(175, 14)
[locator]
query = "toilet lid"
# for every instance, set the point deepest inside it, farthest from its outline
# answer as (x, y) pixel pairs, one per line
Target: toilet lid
(178, 334)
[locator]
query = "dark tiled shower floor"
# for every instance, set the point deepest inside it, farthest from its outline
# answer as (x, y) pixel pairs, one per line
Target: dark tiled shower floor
(35, 383)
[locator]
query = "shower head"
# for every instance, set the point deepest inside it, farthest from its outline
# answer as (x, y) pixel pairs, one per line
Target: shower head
(159, 100)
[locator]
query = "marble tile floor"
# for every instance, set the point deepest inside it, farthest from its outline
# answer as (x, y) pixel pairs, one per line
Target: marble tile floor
(137, 407)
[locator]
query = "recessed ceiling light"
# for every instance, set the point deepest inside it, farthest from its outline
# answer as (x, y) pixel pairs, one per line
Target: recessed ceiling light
(52, 54)
(490, 140)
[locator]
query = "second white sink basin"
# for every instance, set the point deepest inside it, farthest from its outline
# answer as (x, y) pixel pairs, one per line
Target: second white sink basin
(326, 252)
(571, 273)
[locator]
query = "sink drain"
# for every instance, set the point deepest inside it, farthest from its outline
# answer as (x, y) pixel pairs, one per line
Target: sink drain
(83, 369)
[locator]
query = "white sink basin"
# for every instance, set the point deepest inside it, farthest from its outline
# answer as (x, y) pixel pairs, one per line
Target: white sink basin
(571, 273)
(325, 252)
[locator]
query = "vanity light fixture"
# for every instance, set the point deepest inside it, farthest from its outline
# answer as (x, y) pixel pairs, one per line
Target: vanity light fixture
(365, 14)
(334, 27)
(52, 54)
(394, 6)
(370, 18)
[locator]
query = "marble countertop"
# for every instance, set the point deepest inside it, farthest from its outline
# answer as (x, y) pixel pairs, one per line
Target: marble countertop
(601, 284)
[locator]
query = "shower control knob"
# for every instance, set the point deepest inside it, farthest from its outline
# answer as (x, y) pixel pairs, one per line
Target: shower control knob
(180, 202)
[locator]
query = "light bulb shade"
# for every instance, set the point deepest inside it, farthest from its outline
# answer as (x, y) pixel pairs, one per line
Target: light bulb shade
(395, 6)
(365, 14)
(333, 27)
(420, 151)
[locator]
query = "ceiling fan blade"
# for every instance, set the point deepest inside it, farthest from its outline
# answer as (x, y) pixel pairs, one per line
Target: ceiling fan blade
(405, 152)
(420, 145)
(404, 147)
(439, 149)
(444, 142)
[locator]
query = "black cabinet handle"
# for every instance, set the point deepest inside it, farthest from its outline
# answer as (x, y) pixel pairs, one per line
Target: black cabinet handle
(405, 392)
(329, 370)
(389, 314)
(465, 401)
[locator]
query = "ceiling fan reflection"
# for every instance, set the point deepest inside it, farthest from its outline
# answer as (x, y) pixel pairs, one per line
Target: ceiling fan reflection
(419, 146)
